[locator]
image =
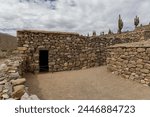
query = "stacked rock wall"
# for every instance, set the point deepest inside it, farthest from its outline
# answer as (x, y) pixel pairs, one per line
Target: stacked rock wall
(131, 36)
(131, 61)
(141, 28)
(11, 81)
(69, 51)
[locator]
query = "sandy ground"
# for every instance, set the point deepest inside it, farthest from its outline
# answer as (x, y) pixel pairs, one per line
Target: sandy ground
(94, 83)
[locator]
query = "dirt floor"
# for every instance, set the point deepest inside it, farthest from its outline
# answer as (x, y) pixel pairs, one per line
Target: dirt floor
(94, 83)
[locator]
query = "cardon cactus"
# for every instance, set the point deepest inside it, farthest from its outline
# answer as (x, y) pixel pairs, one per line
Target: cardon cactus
(109, 32)
(94, 33)
(120, 24)
(136, 21)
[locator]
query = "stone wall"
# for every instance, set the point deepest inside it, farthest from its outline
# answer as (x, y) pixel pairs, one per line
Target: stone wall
(12, 82)
(131, 61)
(130, 36)
(69, 51)
(141, 28)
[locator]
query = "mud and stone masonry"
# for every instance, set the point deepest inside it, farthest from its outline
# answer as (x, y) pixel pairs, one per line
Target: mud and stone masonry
(62, 51)
(131, 61)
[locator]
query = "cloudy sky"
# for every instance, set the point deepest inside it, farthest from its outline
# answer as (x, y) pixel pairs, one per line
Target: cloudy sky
(82, 16)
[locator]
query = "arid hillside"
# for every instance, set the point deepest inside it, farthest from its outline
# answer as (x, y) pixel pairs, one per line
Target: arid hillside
(7, 42)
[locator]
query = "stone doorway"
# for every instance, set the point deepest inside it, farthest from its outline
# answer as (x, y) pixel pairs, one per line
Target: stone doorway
(43, 61)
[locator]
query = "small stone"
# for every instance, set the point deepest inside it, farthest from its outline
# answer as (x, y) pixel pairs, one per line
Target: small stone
(143, 81)
(19, 90)
(19, 87)
(5, 90)
(3, 82)
(25, 97)
(34, 97)
(18, 81)
(12, 71)
(84, 67)
(16, 64)
(141, 50)
(65, 64)
(139, 61)
(26, 45)
(147, 66)
(131, 66)
(5, 96)
(145, 71)
(3, 67)
(1, 88)
(132, 77)
(22, 48)
(14, 75)
(8, 86)
(2, 78)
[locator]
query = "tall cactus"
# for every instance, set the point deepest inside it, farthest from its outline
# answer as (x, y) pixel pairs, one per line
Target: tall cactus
(94, 33)
(109, 32)
(136, 21)
(120, 24)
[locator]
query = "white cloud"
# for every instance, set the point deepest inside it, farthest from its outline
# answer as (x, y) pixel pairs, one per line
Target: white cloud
(80, 16)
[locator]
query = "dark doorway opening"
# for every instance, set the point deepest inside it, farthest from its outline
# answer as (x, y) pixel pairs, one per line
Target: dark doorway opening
(43, 61)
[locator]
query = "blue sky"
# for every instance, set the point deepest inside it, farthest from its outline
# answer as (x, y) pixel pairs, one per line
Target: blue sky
(82, 16)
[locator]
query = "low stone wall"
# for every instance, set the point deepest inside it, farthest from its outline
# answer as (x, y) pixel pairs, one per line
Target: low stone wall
(12, 83)
(131, 36)
(141, 28)
(69, 51)
(131, 61)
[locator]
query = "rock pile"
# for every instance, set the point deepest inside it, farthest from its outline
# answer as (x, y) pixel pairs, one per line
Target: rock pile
(131, 61)
(12, 84)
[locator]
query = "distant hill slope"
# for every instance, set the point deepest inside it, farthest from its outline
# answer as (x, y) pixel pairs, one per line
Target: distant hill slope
(7, 42)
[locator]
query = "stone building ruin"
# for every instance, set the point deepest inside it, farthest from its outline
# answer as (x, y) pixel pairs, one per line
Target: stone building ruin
(126, 54)
(63, 51)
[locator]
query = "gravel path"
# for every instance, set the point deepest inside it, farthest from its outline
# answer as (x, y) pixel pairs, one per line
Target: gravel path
(94, 83)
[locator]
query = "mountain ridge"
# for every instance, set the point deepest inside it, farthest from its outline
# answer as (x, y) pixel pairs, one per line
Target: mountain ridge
(7, 41)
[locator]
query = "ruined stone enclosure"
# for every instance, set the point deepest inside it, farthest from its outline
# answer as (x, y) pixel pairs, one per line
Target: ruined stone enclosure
(61, 51)
(58, 51)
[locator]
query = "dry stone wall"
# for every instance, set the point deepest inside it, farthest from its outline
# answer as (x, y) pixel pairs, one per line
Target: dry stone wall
(12, 82)
(131, 61)
(69, 51)
(130, 36)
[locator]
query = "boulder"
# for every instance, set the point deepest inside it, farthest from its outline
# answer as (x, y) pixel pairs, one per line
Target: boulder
(25, 97)
(3, 67)
(18, 81)
(5, 96)
(18, 92)
(34, 97)
(2, 78)
(146, 71)
(22, 48)
(8, 86)
(3, 82)
(14, 75)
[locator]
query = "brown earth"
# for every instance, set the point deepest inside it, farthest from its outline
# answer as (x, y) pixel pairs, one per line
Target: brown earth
(94, 83)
